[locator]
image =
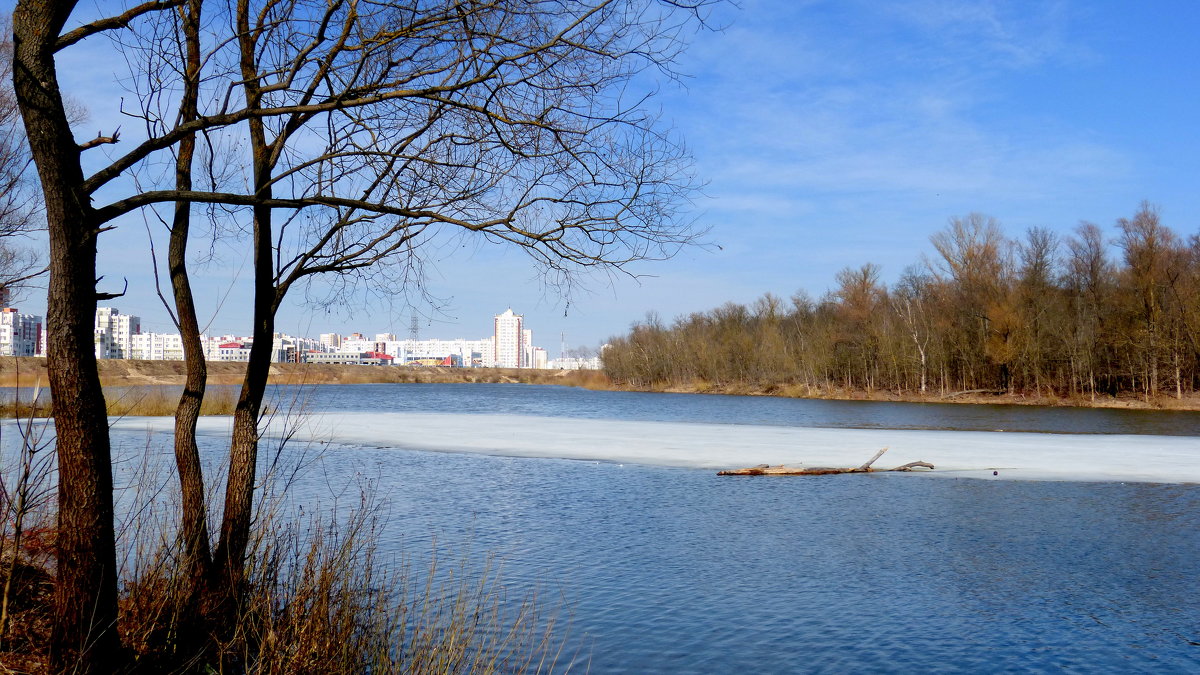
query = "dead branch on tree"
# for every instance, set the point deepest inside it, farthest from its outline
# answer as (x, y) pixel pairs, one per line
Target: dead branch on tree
(101, 139)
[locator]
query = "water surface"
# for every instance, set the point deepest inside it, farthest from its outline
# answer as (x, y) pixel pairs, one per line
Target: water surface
(677, 570)
(519, 399)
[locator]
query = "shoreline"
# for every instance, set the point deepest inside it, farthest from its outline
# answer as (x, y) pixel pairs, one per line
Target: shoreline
(1189, 403)
(31, 371)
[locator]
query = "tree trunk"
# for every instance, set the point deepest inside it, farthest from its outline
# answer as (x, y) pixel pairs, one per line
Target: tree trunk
(84, 635)
(924, 367)
(230, 557)
(1178, 377)
(194, 518)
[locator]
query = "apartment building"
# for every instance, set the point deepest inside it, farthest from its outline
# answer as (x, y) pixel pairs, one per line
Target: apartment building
(357, 344)
(527, 348)
(457, 352)
(20, 334)
(156, 347)
(114, 333)
(508, 340)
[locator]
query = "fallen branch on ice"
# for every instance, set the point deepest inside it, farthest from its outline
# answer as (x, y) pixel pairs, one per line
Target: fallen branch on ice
(782, 470)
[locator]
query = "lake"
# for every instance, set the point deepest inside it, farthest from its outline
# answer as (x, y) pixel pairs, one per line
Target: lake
(670, 568)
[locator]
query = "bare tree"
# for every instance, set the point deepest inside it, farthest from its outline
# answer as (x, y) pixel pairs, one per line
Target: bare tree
(1149, 249)
(18, 198)
(1089, 280)
(912, 301)
(1037, 298)
(371, 129)
(859, 295)
(978, 258)
(985, 317)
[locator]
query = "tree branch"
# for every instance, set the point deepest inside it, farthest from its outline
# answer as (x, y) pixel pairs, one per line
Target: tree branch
(101, 139)
(119, 21)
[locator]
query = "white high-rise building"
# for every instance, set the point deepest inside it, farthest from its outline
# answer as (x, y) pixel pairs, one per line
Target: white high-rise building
(527, 349)
(20, 334)
(508, 341)
(156, 347)
(457, 352)
(358, 345)
(114, 333)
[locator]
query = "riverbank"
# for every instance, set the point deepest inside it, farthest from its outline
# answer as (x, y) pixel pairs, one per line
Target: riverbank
(29, 371)
(1126, 401)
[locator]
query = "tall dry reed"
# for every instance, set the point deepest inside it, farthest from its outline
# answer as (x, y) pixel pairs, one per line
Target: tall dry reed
(146, 401)
(323, 597)
(155, 401)
(26, 538)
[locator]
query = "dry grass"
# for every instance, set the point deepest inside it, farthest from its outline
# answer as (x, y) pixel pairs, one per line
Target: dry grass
(150, 401)
(27, 536)
(830, 392)
(322, 599)
(161, 401)
(24, 371)
(24, 409)
(31, 611)
(141, 386)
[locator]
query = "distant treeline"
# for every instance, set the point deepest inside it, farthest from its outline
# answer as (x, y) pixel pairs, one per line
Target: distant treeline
(1045, 315)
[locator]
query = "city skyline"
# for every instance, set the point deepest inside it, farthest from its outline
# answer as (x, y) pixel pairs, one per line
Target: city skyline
(117, 338)
(830, 135)
(119, 335)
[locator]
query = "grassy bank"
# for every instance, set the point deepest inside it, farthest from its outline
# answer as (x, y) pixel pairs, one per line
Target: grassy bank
(789, 390)
(139, 387)
(26, 372)
(29, 371)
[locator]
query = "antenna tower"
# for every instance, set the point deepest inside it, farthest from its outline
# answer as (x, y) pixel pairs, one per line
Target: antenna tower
(414, 328)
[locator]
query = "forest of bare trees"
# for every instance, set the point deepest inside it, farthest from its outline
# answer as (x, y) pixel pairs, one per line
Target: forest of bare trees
(1089, 315)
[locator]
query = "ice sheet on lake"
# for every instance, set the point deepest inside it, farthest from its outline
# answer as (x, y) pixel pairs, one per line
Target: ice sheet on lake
(1020, 456)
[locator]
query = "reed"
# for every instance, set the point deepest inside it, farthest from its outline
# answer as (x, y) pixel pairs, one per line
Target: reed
(24, 409)
(323, 599)
(27, 531)
(322, 596)
(147, 401)
(156, 401)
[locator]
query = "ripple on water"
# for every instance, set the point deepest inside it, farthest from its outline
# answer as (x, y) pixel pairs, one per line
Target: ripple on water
(675, 570)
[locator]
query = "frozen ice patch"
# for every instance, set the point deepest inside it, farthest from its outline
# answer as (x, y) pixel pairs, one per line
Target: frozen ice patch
(1016, 456)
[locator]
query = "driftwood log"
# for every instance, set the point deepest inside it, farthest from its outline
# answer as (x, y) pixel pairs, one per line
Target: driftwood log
(781, 470)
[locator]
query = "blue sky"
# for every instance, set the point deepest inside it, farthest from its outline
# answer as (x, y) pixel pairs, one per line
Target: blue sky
(830, 134)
